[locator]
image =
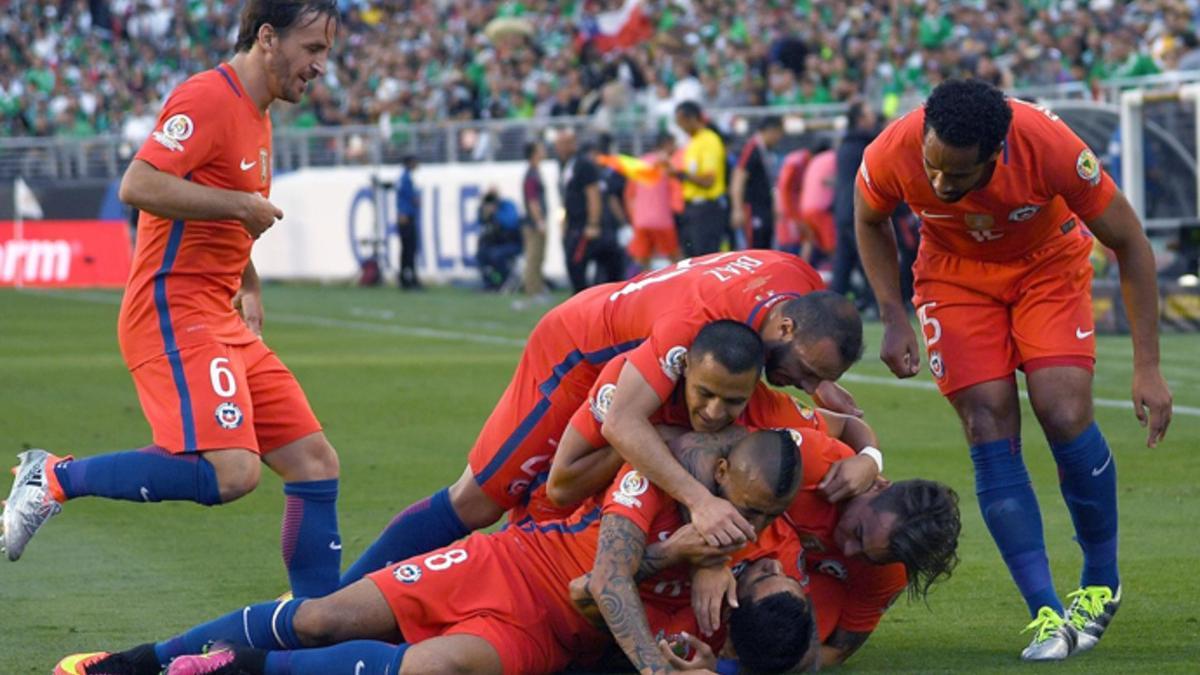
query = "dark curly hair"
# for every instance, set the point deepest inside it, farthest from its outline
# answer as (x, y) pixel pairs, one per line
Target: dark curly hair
(925, 537)
(773, 634)
(966, 113)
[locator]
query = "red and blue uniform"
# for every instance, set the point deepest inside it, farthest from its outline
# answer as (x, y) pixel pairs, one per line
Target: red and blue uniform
(651, 320)
(205, 381)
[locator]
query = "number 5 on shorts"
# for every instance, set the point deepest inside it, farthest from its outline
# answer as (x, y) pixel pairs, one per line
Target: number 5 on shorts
(223, 382)
(929, 322)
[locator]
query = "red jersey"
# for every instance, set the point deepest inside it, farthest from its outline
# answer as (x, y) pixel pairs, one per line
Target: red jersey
(866, 590)
(655, 316)
(1043, 176)
(185, 273)
(767, 409)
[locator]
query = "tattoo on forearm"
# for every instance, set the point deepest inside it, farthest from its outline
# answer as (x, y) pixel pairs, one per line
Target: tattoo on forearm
(654, 560)
(847, 642)
(618, 554)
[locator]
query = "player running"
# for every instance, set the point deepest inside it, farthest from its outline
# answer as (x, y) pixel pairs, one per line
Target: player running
(1002, 281)
(218, 401)
(811, 338)
(499, 602)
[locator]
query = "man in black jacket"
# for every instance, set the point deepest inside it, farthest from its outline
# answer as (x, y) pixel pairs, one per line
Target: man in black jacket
(861, 128)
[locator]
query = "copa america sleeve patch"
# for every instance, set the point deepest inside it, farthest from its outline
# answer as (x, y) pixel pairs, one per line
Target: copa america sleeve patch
(672, 363)
(1088, 167)
(632, 485)
(602, 401)
(177, 129)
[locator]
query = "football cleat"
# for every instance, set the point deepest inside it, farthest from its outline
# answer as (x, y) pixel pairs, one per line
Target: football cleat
(217, 661)
(1054, 639)
(140, 660)
(32, 500)
(1091, 610)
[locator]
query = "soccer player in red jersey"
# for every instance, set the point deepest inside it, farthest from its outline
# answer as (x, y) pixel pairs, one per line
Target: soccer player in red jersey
(218, 401)
(811, 338)
(1002, 281)
(709, 396)
(858, 554)
(500, 602)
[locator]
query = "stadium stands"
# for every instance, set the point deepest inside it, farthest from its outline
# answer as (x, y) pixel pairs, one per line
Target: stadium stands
(78, 69)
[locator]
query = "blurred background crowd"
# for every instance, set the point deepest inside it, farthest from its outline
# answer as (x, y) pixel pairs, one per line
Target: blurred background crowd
(83, 67)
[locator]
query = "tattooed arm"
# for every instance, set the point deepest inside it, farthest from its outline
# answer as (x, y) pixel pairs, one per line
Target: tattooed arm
(840, 646)
(618, 555)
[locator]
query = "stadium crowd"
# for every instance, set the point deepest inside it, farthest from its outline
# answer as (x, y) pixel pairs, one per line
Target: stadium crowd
(80, 68)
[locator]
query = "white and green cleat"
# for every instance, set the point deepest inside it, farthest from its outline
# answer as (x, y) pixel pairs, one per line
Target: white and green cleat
(1054, 638)
(1091, 610)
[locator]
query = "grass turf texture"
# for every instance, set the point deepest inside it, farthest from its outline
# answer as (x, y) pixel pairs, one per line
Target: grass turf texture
(402, 383)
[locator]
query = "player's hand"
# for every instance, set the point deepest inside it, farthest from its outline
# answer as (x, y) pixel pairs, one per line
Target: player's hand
(249, 305)
(848, 478)
(834, 396)
(720, 523)
(258, 214)
(1152, 403)
(702, 660)
(899, 349)
(591, 232)
(737, 218)
(711, 588)
(584, 603)
(686, 544)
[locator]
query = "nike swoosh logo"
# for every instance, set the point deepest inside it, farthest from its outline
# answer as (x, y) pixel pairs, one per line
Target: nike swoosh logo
(245, 166)
(1097, 472)
(1082, 334)
(334, 546)
(926, 214)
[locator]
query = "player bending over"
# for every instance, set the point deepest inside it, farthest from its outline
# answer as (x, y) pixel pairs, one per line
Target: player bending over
(1002, 281)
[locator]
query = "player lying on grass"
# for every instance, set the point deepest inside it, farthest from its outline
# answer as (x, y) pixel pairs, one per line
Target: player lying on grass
(858, 554)
(854, 576)
(812, 337)
(499, 602)
(710, 395)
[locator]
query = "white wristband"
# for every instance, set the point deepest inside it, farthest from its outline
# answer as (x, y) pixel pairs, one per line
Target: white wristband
(874, 453)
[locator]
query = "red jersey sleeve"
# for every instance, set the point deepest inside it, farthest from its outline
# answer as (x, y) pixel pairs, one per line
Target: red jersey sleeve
(633, 496)
(660, 356)
(1069, 167)
(188, 133)
(877, 180)
(588, 419)
(870, 591)
(773, 409)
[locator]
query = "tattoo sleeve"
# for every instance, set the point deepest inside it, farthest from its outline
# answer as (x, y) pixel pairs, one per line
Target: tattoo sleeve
(618, 555)
(846, 642)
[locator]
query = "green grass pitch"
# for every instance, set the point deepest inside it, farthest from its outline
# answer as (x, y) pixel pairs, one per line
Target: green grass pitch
(402, 384)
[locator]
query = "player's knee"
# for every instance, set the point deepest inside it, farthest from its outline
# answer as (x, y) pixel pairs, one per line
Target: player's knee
(435, 662)
(237, 472)
(310, 458)
(472, 505)
(317, 623)
(987, 420)
(1064, 419)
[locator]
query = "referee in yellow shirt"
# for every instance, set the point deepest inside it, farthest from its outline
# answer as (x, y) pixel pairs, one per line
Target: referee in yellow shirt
(705, 218)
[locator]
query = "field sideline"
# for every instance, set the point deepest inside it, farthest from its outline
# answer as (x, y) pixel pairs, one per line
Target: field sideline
(402, 384)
